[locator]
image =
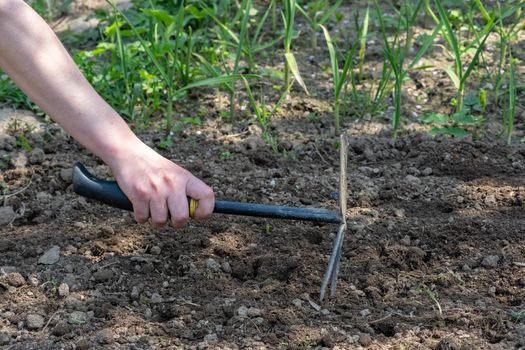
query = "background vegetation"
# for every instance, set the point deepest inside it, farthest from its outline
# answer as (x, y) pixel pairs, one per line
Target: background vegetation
(154, 56)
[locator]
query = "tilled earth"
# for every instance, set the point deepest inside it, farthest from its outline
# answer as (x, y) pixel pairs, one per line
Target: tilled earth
(433, 259)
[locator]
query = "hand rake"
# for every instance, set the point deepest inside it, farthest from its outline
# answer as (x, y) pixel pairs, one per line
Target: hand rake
(108, 192)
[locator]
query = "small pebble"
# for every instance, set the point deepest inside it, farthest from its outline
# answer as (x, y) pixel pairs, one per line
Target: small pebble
(156, 298)
(297, 302)
(135, 293)
(104, 336)
(63, 290)
(61, 329)
(77, 318)
(412, 180)
(365, 312)
(212, 265)
(66, 175)
(51, 256)
(226, 267)
(7, 214)
(155, 250)
(254, 312)
(5, 339)
(15, 279)
(426, 172)
(242, 311)
(103, 275)
(405, 240)
(34, 322)
(490, 200)
(490, 261)
(365, 339)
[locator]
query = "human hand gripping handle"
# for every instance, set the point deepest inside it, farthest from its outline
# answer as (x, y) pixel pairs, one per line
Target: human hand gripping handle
(108, 192)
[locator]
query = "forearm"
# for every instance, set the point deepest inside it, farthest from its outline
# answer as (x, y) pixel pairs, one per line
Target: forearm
(32, 55)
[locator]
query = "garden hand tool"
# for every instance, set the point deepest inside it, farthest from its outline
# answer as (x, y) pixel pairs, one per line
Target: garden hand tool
(108, 192)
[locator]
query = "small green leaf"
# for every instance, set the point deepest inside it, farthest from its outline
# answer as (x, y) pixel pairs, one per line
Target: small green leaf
(161, 15)
(435, 118)
(451, 131)
(453, 76)
(465, 119)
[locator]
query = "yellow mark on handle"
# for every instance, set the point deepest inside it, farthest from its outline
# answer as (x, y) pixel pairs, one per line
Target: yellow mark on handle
(194, 204)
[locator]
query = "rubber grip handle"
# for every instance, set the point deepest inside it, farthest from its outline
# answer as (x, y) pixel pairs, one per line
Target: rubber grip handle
(107, 192)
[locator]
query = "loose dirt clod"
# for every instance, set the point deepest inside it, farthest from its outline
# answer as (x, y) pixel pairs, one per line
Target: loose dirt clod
(51, 256)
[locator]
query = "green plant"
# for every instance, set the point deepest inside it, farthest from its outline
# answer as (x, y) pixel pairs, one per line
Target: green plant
(458, 74)
(339, 77)
(507, 35)
(367, 96)
(317, 14)
(51, 9)
(225, 154)
(511, 112)
(23, 142)
(10, 94)
(396, 51)
(363, 32)
(456, 125)
(262, 112)
(290, 63)
(432, 296)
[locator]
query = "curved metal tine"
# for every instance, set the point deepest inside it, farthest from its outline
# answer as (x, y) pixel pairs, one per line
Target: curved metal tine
(333, 263)
(328, 272)
(337, 262)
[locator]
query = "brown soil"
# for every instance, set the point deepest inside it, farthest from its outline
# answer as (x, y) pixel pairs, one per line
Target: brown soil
(432, 221)
(433, 258)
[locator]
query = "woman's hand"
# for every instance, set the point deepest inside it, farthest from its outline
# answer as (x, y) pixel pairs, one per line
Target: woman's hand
(158, 188)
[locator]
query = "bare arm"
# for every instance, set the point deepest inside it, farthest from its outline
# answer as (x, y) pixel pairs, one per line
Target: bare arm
(35, 59)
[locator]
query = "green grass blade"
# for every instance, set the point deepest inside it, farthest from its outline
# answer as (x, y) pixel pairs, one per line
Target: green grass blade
(303, 13)
(347, 66)
(475, 58)
(426, 45)
(292, 64)
(144, 44)
(333, 55)
(451, 38)
(211, 70)
(330, 12)
(223, 26)
(361, 37)
(247, 4)
(512, 98)
(223, 79)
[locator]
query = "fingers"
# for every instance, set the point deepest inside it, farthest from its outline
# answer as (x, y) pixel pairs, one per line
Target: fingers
(159, 190)
(198, 190)
(179, 211)
(159, 211)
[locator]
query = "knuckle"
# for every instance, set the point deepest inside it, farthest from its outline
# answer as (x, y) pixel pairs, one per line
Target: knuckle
(139, 192)
(208, 192)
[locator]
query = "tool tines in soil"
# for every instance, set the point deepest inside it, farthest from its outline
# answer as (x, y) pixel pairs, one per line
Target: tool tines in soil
(332, 270)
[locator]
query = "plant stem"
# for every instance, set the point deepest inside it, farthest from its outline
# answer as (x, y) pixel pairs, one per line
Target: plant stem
(337, 117)
(397, 103)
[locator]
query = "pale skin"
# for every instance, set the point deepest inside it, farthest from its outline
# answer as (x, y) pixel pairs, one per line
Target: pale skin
(32, 55)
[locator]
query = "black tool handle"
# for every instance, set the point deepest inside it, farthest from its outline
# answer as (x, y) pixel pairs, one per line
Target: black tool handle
(108, 192)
